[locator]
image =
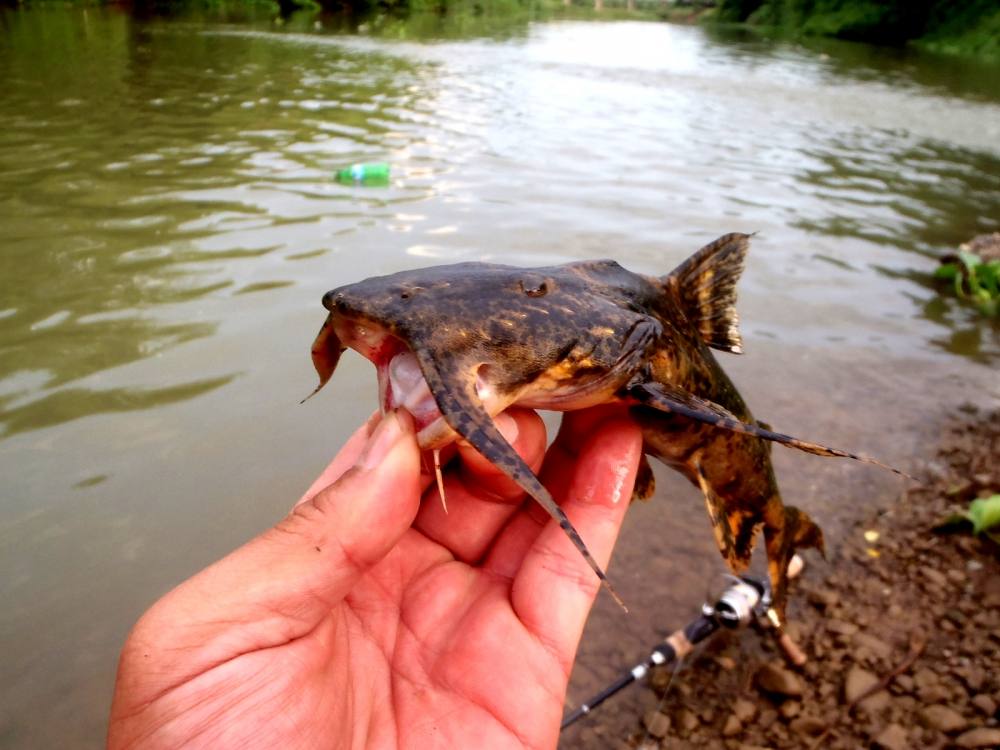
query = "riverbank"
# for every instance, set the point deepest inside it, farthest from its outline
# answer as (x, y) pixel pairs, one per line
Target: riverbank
(902, 629)
(968, 28)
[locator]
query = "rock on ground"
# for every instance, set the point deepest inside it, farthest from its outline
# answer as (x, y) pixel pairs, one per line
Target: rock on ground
(855, 617)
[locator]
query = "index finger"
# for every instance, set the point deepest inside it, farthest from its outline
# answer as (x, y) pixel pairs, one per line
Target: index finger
(479, 496)
(554, 589)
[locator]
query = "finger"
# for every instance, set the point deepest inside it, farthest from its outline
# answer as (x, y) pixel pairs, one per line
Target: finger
(480, 497)
(557, 473)
(579, 426)
(554, 589)
(345, 458)
(278, 586)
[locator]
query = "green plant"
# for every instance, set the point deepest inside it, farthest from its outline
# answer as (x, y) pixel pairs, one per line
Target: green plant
(983, 514)
(975, 280)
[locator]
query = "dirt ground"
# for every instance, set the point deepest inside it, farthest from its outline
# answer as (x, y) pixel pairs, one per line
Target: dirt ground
(901, 627)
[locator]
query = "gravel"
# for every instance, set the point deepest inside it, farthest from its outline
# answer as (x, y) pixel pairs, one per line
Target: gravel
(898, 605)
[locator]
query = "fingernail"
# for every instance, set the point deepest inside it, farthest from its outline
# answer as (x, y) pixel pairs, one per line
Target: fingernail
(387, 434)
(507, 426)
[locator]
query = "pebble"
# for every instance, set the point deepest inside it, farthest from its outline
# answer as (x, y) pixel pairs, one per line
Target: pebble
(687, 721)
(726, 662)
(983, 479)
(981, 737)
(744, 710)
(841, 628)
(858, 680)
(991, 601)
(824, 598)
(942, 718)
(656, 723)
(893, 737)
(985, 703)
(778, 681)
(807, 725)
(789, 709)
(767, 718)
(732, 727)
(934, 694)
(973, 677)
(877, 646)
(935, 576)
(924, 678)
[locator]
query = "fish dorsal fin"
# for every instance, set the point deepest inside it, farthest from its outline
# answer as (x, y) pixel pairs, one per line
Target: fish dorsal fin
(705, 285)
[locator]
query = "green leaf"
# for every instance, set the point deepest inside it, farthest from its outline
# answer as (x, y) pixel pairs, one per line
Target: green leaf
(969, 260)
(989, 276)
(946, 271)
(985, 514)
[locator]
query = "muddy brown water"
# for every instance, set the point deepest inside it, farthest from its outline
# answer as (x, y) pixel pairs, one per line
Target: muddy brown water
(168, 225)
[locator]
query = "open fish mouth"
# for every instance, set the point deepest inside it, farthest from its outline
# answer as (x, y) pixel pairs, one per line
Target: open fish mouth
(401, 381)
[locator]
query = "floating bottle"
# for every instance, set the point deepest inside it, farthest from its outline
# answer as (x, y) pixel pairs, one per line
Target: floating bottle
(369, 173)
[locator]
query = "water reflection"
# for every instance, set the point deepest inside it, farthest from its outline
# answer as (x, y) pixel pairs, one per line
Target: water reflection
(838, 60)
(890, 189)
(961, 329)
(74, 403)
(134, 173)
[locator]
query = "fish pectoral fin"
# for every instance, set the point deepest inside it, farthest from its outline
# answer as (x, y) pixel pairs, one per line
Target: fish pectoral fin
(667, 398)
(645, 482)
(635, 351)
(464, 412)
(735, 530)
(624, 361)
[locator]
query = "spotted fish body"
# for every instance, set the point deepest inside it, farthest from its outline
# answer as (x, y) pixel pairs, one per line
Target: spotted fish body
(458, 344)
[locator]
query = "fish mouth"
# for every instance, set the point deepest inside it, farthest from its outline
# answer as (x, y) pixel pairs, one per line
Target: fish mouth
(402, 384)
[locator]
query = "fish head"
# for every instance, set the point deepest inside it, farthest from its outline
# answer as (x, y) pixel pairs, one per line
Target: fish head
(455, 345)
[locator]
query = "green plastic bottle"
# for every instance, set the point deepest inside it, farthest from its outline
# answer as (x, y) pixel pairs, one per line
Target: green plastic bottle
(370, 173)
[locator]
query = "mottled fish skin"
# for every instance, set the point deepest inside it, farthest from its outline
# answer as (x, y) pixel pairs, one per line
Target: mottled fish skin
(603, 334)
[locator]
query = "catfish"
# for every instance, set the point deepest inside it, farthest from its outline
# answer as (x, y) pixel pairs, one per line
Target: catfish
(457, 344)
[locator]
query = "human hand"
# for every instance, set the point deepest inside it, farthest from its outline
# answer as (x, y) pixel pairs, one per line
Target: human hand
(370, 618)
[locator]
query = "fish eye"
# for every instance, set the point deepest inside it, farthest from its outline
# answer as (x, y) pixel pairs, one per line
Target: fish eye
(534, 288)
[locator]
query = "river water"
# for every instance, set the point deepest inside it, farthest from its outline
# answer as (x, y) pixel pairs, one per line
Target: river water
(168, 224)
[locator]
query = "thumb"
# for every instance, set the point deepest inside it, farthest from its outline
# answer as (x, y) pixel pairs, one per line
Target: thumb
(333, 538)
(278, 586)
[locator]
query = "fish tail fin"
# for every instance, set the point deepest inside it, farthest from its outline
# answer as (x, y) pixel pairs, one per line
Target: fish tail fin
(786, 529)
(705, 286)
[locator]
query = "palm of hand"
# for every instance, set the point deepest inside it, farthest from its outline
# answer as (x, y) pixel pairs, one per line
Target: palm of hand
(462, 634)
